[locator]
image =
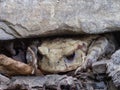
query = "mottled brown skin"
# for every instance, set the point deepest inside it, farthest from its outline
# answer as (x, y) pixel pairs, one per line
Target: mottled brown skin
(66, 54)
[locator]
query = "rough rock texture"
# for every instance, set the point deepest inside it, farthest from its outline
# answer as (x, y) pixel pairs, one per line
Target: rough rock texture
(4, 81)
(27, 18)
(10, 67)
(64, 82)
(114, 68)
(31, 81)
(48, 82)
(99, 67)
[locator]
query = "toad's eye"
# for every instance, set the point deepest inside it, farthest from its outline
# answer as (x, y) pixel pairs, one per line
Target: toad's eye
(70, 57)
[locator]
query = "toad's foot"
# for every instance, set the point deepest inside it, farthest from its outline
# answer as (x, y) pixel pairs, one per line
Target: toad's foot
(97, 49)
(32, 59)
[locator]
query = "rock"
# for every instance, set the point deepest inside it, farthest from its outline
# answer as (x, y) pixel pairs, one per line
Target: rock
(113, 68)
(10, 67)
(115, 75)
(32, 82)
(28, 18)
(115, 58)
(90, 82)
(99, 86)
(4, 81)
(111, 86)
(62, 82)
(48, 82)
(99, 67)
(18, 87)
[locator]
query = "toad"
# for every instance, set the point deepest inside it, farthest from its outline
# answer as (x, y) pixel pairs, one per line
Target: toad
(66, 54)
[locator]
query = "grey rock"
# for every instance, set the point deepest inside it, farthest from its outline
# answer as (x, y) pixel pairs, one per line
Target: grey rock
(62, 82)
(115, 58)
(19, 87)
(4, 81)
(99, 67)
(100, 86)
(42, 82)
(28, 18)
(113, 68)
(112, 86)
(34, 82)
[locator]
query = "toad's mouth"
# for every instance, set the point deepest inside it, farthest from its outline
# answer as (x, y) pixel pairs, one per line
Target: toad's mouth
(63, 66)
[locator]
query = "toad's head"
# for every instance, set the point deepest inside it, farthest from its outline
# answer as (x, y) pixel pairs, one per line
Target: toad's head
(61, 55)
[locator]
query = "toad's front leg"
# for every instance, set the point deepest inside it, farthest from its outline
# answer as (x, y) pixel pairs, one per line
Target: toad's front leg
(96, 50)
(31, 57)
